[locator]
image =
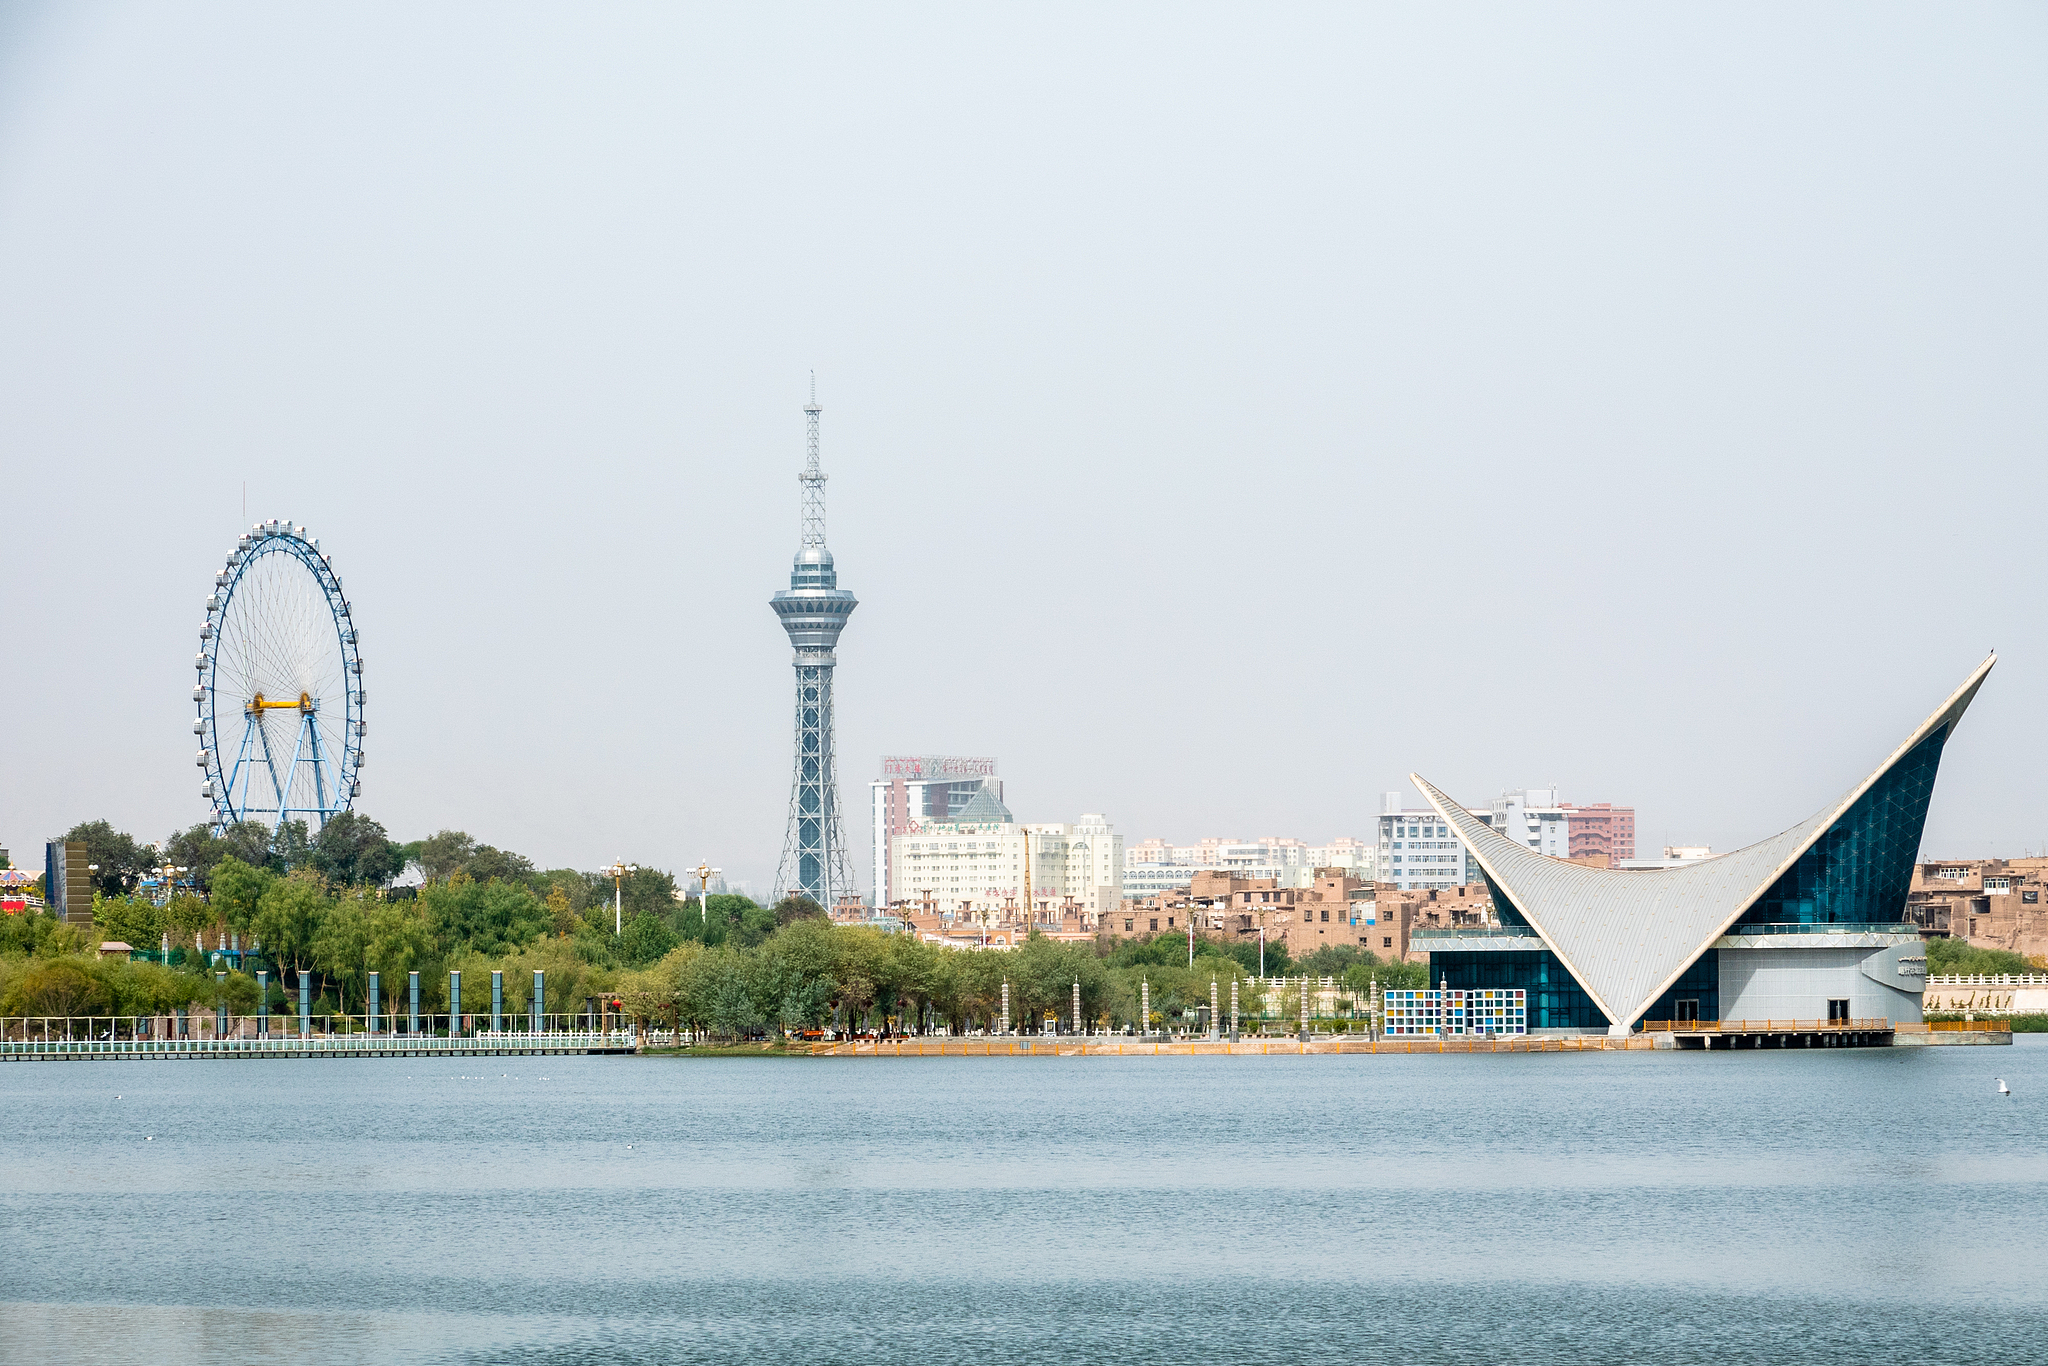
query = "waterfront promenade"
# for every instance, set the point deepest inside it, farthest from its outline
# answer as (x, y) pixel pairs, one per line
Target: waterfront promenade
(99, 1040)
(1729, 1034)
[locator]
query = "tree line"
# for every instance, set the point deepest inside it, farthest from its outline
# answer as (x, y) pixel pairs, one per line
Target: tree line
(728, 965)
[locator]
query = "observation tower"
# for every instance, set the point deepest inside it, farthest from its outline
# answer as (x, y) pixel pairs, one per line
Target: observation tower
(813, 610)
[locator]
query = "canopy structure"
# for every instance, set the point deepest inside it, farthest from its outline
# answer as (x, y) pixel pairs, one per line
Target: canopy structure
(1626, 935)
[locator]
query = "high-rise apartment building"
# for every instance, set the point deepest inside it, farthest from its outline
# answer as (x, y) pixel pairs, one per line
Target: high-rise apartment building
(975, 863)
(921, 787)
(1533, 817)
(1418, 850)
(1600, 828)
(1155, 867)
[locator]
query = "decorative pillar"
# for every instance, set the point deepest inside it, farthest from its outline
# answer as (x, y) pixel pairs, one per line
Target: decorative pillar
(305, 1005)
(497, 1001)
(1304, 1006)
(220, 1007)
(412, 1007)
(1145, 1005)
(376, 1000)
(1233, 1007)
(1215, 1020)
(455, 1003)
(1077, 1007)
(1006, 1005)
(262, 1004)
(539, 1004)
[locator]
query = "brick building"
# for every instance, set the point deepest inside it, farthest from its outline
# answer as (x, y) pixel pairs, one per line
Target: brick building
(1989, 903)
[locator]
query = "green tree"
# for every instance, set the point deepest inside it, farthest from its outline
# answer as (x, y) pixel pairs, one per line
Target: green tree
(291, 847)
(491, 918)
(133, 920)
(238, 890)
(647, 938)
(1956, 956)
(60, 986)
(290, 914)
(441, 855)
(485, 864)
(340, 949)
(727, 995)
(351, 848)
(118, 858)
(794, 907)
(401, 941)
(249, 841)
(196, 848)
(153, 989)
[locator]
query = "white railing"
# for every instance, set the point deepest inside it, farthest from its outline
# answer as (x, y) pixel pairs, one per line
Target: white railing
(1989, 979)
(38, 1036)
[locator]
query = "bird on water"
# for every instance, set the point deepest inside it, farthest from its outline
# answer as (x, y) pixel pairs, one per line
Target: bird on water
(2003, 1089)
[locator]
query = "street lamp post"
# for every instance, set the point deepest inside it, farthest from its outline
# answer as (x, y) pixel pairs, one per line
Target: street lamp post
(617, 873)
(704, 872)
(167, 874)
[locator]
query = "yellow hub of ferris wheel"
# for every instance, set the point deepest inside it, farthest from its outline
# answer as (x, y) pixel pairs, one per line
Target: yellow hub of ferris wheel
(260, 703)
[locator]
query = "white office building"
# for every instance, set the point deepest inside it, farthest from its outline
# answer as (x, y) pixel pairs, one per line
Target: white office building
(1418, 850)
(974, 864)
(921, 787)
(1155, 866)
(1532, 817)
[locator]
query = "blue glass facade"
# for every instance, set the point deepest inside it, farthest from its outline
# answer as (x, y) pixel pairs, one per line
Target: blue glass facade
(1556, 1001)
(1700, 984)
(1860, 870)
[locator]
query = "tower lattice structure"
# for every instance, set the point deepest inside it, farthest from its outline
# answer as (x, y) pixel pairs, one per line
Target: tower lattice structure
(813, 610)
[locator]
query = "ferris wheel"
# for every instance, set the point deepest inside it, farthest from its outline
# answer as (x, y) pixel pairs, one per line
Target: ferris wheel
(280, 689)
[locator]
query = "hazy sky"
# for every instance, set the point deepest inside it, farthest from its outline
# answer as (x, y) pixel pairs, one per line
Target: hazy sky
(1228, 409)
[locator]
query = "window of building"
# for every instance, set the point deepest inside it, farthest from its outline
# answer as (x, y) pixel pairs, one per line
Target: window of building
(2030, 897)
(1155, 922)
(1838, 1011)
(1386, 941)
(1326, 916)
(1997, 884)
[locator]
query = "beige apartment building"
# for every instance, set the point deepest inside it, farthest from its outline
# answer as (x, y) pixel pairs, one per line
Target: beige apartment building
(973, 866)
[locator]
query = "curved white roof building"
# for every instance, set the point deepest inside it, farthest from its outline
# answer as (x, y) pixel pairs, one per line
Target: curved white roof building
(1807, 924)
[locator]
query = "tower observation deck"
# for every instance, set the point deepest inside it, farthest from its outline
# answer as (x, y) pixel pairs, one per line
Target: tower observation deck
(813, 610)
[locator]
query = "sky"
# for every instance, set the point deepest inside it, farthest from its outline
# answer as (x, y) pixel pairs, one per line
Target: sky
(1229, 409)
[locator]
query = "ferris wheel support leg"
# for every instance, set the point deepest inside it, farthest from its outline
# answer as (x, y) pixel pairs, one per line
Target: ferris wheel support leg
(310, 734)
(270, 762)
(291, 774)
(251, 731)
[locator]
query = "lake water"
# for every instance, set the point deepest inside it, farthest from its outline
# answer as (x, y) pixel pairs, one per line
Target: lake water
(1826, 1206)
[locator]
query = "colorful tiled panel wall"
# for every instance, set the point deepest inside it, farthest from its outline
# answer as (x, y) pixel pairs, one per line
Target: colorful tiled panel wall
(1446, 1014)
